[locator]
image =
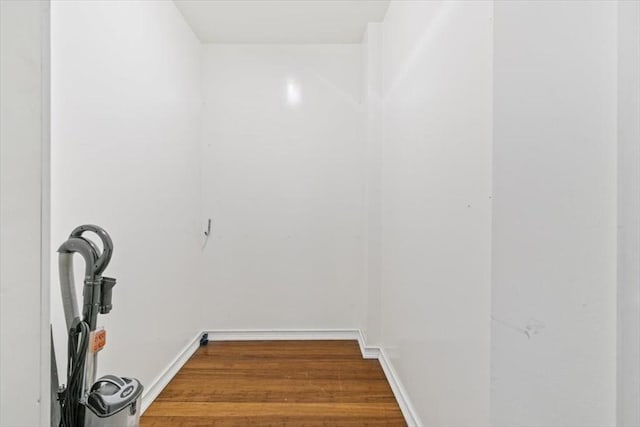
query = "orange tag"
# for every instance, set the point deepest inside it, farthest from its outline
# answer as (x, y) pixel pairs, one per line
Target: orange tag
(99, 340)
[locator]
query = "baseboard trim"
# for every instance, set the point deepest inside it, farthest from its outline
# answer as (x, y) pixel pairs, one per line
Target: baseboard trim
(283, 334)
(368, 352)
(153, 391)
(408, 411)
(399, 392)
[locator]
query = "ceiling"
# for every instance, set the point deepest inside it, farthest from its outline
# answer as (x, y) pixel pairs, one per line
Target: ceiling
(281, 21)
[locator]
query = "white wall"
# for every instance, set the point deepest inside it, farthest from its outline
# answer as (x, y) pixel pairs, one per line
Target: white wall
(628, 214)
(24, 145)
(554, 219)
(436, 206)
(126, 156)
(283, 183)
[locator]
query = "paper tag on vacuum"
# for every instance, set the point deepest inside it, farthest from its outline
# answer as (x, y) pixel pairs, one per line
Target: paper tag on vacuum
(98, 340)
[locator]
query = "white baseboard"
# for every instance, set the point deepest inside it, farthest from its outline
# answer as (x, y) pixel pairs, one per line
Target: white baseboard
(399, 392)
(153, 391)
(368, 352)
(283, 334)
(408, 411)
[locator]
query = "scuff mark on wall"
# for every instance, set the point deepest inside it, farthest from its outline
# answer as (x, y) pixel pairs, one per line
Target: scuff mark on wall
(531, 328)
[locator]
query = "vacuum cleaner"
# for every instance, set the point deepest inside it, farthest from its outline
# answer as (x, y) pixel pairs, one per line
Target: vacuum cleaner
(110, 401)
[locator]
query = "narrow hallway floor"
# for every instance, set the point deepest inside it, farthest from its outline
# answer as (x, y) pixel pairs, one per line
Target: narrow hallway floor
(276, 383)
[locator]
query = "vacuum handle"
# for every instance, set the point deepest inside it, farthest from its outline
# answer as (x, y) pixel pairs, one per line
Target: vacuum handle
(107, 245)
(111, 379)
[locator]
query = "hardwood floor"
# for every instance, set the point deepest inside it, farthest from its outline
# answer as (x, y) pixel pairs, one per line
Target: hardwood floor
(276, 383)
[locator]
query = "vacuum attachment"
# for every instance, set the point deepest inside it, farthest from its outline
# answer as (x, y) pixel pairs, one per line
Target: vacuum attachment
(106, 286)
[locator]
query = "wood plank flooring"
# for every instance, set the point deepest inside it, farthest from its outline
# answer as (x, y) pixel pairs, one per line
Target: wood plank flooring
(277, 383)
